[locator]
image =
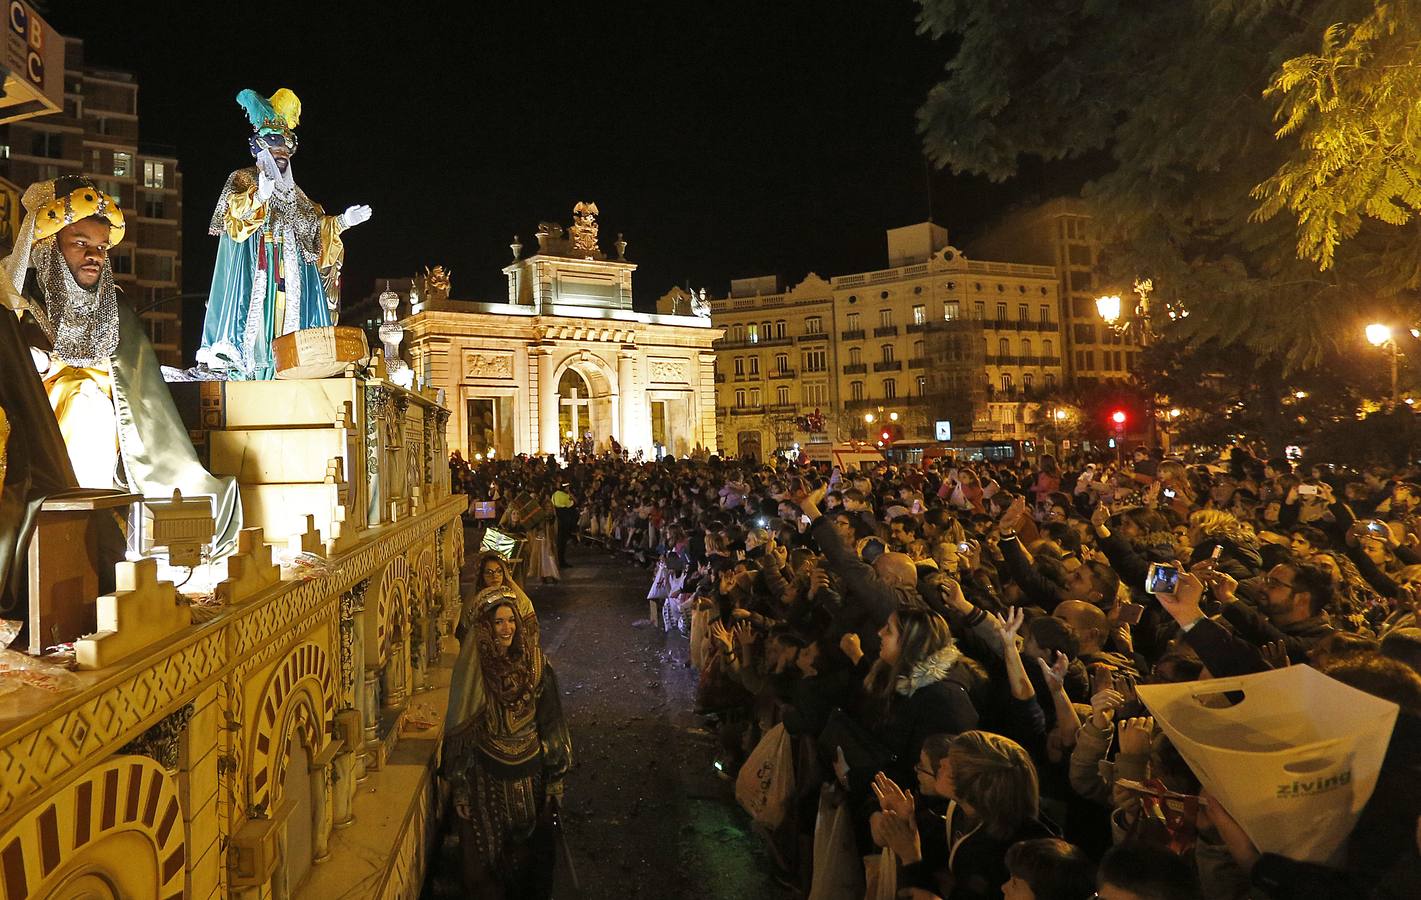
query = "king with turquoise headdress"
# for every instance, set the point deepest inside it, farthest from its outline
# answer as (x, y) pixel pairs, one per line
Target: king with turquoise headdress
(279, 255)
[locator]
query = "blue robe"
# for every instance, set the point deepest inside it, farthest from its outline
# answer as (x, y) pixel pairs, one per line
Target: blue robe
(263, 254)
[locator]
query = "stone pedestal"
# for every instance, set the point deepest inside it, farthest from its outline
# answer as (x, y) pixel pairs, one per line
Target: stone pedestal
(323, 800)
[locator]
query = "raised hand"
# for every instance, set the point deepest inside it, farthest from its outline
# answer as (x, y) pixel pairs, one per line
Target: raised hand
(1100, 515)
(720, 635)
(1008, 627)
(1055, 671)
(850, 646)
(891, 798)
(1136, 734)
(744, 634)
(1103, 706)
(901, 834)
(354, 215)
(1183, 604)
(1275, 654)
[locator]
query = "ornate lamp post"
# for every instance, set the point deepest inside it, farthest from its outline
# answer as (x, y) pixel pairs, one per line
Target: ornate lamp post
(1137, 323)
(1379, 335)
(391, 333)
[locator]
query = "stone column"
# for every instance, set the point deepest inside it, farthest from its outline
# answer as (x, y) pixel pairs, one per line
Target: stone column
(630, 434)
(343, 802)
(703, 401)
(372, 714)
(547, 401)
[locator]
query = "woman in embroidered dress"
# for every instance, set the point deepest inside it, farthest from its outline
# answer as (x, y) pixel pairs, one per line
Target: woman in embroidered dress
(506, 750)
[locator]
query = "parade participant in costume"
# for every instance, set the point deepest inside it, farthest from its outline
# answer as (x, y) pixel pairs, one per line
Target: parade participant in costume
(36, 463)
(506, 750)
(278, 254)
(493, 572)
(118, 419)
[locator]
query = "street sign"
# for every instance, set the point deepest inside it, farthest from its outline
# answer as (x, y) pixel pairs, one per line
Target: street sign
(943, 430)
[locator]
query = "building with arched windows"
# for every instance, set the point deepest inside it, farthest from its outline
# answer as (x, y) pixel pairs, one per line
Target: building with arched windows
(565, 359)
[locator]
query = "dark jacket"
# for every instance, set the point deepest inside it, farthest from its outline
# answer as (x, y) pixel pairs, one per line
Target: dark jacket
(977, 868)
(1298, 637)
(1039, 589)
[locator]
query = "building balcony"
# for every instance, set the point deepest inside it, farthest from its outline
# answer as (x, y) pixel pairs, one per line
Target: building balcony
(855, 335)
(781, 409)
(1003, 360)
(787, 373)
(892, 365)
(814, 336)
(742, 410)
(855, 369)
(1018, 325)
(885, 331)
(760, 342)
(917, 326)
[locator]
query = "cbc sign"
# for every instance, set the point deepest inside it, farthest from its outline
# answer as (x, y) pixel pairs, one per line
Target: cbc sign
(27, 30)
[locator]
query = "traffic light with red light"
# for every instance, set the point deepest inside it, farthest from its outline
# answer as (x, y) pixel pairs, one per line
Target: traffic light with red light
(886, 436)
(1118, 417)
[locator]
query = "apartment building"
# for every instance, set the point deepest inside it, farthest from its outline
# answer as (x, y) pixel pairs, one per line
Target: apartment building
(97, 134)
(858, 349)
(1060, 234)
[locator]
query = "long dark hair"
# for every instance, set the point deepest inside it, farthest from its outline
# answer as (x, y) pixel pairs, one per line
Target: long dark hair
(921, 633)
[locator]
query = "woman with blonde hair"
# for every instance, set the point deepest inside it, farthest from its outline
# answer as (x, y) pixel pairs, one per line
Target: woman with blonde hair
(1210, 528)
(993, 802)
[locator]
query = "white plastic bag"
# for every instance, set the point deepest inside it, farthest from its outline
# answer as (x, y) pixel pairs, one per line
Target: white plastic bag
(700, 635)
(881, 872)
(766, 780)
(838, 872)
(1294, 761)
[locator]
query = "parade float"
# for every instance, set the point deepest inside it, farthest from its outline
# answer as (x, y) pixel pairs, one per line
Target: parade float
(264, 674)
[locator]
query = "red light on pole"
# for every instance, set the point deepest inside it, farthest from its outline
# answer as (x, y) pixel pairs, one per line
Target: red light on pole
(1118, 417)
(886, 436)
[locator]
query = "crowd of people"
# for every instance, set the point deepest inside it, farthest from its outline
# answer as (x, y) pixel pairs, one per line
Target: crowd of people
(952, 653)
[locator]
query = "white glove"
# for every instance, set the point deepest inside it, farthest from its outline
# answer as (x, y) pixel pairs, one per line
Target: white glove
(42, 361)
(267, 175)
(354, 216)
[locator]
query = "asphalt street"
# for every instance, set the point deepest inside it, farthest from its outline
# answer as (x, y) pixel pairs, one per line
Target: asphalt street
(645, 813)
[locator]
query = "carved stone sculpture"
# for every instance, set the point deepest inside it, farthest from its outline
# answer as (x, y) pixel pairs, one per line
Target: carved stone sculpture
(584, 231)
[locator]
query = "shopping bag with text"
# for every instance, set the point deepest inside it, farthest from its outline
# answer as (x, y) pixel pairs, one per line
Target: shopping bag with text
(766, 780)
(1292, 754)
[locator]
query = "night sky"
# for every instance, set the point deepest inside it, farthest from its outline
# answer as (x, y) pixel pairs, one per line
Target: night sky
(724, 139)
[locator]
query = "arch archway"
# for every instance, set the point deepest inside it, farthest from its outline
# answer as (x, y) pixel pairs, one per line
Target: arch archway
(116, 832)
(598, 407)
(296, 699)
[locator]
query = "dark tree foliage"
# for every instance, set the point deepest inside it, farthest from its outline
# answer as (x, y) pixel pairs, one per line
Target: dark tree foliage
(1177, 94)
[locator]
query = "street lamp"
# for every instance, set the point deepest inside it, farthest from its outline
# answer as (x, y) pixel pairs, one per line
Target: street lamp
(893, 417)
(1109, 308)
(1379, 335)
(868, 418)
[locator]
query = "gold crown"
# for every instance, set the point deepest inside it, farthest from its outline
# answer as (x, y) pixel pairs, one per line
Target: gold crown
(81, 203)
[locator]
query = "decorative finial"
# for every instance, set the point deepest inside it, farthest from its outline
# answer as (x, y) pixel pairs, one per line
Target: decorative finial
(621, 246)
(517, 247)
